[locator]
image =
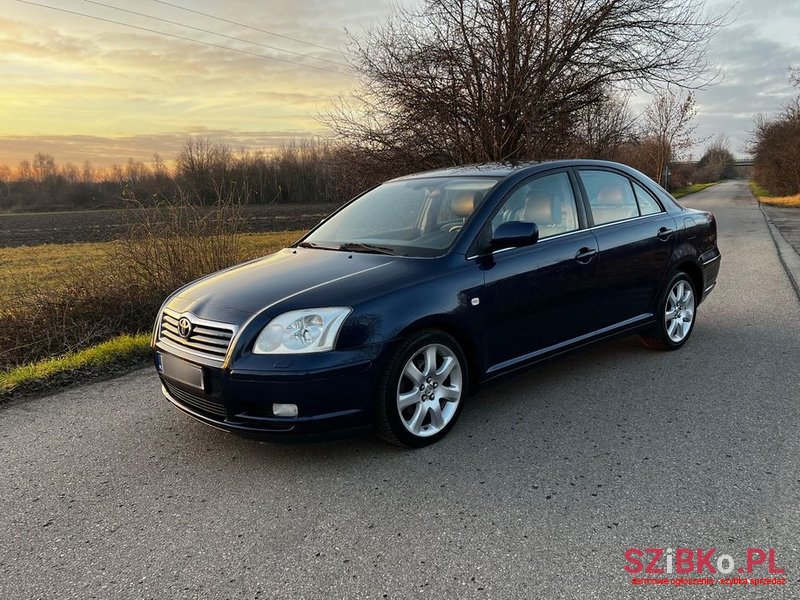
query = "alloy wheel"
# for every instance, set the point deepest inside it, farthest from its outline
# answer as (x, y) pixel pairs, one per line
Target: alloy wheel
(679, 311)
(429, 390)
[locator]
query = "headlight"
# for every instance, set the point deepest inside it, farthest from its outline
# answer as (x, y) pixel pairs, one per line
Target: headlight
(302, 331)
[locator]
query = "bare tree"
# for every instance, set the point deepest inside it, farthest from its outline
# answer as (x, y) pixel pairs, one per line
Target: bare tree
(601, 129)
(476, 80)
(70, 173)
(204, 167)
(24, 171)
(775, 145)
(717, 162)
(44, 167)
(6, 177)
(87, 172)
(668, 130)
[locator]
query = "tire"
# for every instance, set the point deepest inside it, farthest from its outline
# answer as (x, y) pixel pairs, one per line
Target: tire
(676, 312)
(429, 364)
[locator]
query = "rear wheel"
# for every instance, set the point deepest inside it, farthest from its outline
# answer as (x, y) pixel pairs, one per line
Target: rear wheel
(422, 391)
(676, 314)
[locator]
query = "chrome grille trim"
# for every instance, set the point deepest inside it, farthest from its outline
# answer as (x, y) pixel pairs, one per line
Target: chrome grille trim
(209, 339)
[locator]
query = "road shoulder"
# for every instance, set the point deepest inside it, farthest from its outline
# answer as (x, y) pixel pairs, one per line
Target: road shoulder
(784, 226)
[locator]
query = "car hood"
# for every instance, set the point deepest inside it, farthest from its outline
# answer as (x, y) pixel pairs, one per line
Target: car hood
(306, 276)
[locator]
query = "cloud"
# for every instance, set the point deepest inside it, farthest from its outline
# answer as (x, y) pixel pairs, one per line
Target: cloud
(104, 151)
(83, 89)
(755, 81)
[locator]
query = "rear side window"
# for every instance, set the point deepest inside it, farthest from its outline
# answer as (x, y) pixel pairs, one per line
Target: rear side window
(647, 204)
(610, 195)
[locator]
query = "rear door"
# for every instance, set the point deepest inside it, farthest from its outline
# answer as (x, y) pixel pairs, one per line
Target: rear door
(635, 237)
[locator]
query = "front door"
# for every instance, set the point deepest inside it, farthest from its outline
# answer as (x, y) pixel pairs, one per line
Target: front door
(541, 295)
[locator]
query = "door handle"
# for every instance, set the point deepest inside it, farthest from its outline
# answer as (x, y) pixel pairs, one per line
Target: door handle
(585, 255)
(664, 233)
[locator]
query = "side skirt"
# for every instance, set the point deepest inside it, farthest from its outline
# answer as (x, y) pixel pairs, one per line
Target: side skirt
(521, 362)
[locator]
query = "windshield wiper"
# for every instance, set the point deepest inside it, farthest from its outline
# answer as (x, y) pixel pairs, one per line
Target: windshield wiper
(360, 247)
(313, 245)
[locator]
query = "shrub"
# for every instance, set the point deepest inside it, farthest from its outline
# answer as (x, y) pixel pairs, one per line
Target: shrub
(165, 247)
(775, 146)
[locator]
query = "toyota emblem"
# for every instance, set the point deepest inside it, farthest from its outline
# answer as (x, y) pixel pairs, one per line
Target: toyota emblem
(184, 327)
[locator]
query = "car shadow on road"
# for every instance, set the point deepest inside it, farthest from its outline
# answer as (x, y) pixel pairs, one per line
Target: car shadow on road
(518, 411)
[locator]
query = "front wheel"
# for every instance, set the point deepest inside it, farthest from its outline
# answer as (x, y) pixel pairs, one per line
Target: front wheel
(676, 315)
(422, 391)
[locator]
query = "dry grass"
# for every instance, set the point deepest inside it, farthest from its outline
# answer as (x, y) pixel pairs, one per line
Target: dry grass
(786, 201)
(61, 299)
(766, 198)
(45, 265)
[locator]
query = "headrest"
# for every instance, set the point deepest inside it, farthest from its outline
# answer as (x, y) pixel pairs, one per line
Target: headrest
(611, 195)
(463, 205)
(538, 209)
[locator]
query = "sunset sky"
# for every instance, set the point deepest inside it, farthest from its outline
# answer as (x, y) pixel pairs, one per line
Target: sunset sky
(80, 88)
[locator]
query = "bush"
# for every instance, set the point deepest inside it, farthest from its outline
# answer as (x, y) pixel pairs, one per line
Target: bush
(775, 146)
(165, 247)
(717, 163)
(175, 242)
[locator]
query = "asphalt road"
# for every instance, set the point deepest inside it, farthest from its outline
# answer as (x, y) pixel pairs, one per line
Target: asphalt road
(108, 492)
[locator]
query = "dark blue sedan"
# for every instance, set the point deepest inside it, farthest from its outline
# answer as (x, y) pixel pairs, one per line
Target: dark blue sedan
(387, 314)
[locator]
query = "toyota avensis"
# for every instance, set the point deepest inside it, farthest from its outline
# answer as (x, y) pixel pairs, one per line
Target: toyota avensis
(390, 311)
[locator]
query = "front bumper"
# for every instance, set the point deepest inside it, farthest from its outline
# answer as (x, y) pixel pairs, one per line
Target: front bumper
(334, 395)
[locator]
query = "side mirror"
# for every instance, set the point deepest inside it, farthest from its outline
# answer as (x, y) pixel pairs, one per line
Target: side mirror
(513, 234)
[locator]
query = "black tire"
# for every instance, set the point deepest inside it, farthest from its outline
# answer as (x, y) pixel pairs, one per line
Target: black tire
(659, 337)
(389, 423)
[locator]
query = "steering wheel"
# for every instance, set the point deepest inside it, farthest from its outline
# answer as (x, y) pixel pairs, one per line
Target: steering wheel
(451, 227)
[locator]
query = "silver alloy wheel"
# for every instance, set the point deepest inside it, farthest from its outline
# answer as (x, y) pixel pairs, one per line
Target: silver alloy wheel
(679, 312)
(429, 390)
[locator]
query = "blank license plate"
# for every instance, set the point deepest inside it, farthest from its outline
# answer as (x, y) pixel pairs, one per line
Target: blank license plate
(175, 368)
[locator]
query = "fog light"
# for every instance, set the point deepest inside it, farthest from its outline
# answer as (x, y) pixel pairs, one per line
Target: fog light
(284, 410)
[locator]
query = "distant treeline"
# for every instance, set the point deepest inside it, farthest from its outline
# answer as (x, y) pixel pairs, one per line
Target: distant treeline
(299, 172)
(203, 172)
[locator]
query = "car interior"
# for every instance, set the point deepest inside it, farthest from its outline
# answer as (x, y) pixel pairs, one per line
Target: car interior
(610, 196)
(614, 203)
(423, 217)
(547, 201)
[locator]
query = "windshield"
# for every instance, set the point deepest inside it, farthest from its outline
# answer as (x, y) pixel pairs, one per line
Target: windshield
(418, 217)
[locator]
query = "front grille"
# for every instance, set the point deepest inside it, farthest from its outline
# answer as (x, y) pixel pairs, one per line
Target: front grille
(201, 403)
(206, 337)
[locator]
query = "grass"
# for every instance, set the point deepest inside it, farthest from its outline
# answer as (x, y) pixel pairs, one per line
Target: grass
(122, 351)
(766, 198)
(26, 271)
(691, 189)
(757, 190)
(32, 266)
(45, 263)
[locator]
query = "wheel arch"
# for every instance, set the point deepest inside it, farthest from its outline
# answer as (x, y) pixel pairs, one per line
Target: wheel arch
(693, 270)
(465, 341)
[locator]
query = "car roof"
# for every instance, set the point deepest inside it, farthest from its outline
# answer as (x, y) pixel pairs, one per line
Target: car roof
(484, 169)
(504, 169)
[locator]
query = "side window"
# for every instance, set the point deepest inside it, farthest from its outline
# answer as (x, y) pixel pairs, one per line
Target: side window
(647, 204)
(547, 201)
(610, 196)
